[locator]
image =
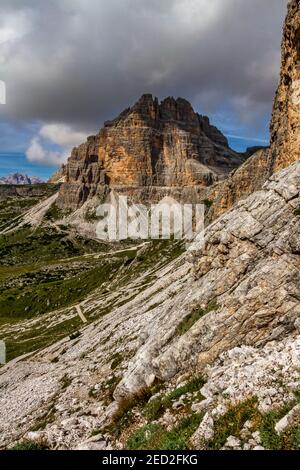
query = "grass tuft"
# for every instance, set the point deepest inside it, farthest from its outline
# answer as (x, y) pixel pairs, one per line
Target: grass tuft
(156, 407)
(232, 422)
(192, 318)
(30, 445)
(117, 359)
(297, 211)
(156, 437)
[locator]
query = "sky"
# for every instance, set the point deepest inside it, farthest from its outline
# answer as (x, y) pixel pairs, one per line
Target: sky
(69, 65)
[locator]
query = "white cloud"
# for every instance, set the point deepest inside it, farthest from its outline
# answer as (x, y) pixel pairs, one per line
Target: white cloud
(240, 137)
(14, 26)
(103, 55)
(197, 14)
(62, 135)
(38, 154)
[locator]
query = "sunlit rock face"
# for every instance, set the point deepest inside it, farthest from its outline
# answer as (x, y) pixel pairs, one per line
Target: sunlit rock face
(151, 144)
(285, 126)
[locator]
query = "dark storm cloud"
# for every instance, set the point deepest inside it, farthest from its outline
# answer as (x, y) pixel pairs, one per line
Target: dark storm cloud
(79, 62)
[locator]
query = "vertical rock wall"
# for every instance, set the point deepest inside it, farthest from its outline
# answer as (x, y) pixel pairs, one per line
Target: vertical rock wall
(285, 125)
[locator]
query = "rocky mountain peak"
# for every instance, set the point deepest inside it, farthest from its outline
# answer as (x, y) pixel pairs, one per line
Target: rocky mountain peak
(152, 144)
(20, 179)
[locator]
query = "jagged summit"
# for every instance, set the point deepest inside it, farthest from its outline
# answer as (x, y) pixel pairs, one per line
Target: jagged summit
(164, 144)
(170, 109)
(20, 179)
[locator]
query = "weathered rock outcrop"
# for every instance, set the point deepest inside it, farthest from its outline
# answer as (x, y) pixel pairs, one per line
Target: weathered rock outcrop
(285, 126)
(248, 178)
(151, 144)
(249, 265)
(59, 176)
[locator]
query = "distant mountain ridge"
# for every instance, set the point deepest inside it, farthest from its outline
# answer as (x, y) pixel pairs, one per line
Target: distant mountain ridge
(20, 179)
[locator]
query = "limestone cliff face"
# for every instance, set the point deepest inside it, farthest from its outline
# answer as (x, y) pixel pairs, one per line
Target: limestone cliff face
(248, 178)
(59, 176)
(285, 126)
(151, 144)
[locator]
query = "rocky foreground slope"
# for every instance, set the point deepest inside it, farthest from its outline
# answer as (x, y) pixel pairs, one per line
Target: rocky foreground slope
(193, 346)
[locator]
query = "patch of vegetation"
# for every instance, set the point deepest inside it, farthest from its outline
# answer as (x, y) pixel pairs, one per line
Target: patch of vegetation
(111, 385)
(123, 418)
(54, 213)
(27, 246)
(117, 359)
(91, 215)
(167, 249)
(46, 418)
(208, 203)
(192, 318)
(151, 410)
(157, 407)
(232, 422)
(12, 208)
(33, 340)
(65, 381)
(192, 386)
(16, 200)
(30, 286)
(30, 445)
(95, 432)
(287, 440)
(75, 335)
(297, 211)
(23, 251)
(157, 304)
(156, 437)
(36, 299)
(124, 415)
(140, 439)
